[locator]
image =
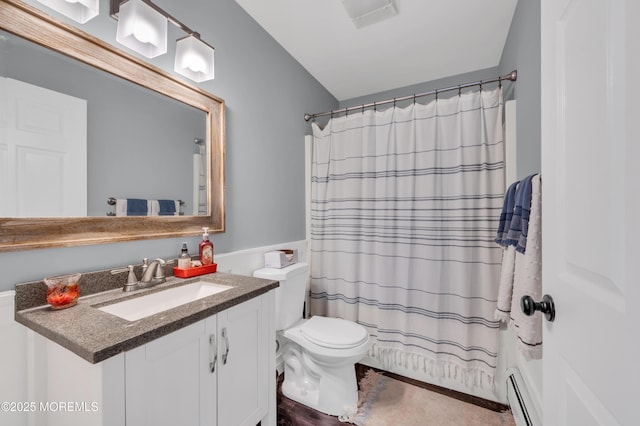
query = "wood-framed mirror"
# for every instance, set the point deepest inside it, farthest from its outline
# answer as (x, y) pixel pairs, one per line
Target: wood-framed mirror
(25, 233)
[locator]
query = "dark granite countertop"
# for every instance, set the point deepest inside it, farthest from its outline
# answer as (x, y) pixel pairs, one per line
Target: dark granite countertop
(96, 335)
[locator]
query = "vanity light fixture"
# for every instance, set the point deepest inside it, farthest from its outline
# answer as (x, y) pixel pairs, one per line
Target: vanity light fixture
(78, 10)
(142, 27)
(194, 58)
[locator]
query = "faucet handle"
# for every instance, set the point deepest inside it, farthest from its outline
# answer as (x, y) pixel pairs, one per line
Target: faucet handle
(131, 279)
(159, 272)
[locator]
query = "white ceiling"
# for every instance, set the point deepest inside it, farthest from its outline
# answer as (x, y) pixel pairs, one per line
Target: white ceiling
(426, 40)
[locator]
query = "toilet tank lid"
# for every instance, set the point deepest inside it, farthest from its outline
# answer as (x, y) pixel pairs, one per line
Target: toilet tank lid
(282, 273)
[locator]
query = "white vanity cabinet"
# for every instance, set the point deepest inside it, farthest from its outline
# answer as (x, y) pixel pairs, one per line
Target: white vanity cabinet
(168, 382)
(217, 371)
(212, 372)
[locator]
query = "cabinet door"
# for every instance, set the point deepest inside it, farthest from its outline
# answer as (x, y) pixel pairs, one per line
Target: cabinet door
(169, 380)
(243, 359)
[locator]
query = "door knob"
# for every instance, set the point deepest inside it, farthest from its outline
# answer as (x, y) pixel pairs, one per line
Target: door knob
(547, 307)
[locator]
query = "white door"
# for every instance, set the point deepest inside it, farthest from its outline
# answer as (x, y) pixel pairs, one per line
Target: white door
(43, 152)
(591, 210)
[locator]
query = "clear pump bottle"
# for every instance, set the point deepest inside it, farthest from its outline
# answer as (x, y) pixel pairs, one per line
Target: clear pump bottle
(184, 261)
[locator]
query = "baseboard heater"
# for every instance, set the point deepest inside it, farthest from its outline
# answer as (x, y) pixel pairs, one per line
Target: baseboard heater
(524, 412)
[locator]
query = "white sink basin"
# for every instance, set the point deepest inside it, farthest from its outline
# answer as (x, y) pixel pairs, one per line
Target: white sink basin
(143, 306)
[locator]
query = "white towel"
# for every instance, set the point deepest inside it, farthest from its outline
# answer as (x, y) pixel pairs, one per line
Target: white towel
(121, 207)
(505, 291)
(154, 207)
(522, 275)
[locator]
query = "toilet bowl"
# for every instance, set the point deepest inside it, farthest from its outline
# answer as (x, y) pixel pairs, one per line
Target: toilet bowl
(319, 353)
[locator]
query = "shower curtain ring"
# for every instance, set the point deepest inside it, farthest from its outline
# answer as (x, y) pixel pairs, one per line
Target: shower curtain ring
(414, 98)
(436, 94)
(459, 90)
(394, 102)
(363, 108)
(375, 108)
(481, 85)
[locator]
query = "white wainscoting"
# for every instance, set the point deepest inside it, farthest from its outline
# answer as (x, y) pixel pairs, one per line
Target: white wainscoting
(13, 362)
(244, 262)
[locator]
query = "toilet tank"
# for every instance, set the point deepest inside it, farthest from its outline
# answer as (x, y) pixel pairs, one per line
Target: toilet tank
(291, 294)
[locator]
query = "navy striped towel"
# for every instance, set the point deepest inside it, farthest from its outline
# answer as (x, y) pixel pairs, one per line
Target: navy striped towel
(506, 215)
(137, 207)
(167, 207)
(519, 228)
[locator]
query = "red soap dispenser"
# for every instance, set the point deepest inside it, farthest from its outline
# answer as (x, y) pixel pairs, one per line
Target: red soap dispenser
(206, 248)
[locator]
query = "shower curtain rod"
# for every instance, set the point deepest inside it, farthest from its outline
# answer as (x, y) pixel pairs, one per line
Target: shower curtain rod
(512, 76)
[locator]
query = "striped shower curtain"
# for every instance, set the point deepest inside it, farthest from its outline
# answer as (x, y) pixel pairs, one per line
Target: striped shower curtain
(405, 206)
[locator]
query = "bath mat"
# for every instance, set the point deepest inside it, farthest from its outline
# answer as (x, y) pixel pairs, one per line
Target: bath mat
(385, 401)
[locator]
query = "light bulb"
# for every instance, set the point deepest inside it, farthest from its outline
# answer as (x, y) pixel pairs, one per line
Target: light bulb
(144, 32)
(195, 63)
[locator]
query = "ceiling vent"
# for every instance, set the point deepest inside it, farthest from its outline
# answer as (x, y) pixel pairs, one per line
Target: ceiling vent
(368, 12)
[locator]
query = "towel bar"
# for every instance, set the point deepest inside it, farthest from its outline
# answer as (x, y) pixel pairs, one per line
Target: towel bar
(112, 201)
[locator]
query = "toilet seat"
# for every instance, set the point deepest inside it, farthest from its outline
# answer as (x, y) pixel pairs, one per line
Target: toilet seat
(333, 333)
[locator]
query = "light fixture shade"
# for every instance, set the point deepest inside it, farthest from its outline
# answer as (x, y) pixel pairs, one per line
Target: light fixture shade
(141, 28)
(78, 10)
(194, 59)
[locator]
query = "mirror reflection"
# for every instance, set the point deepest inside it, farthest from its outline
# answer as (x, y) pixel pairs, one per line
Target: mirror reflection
(73, 137)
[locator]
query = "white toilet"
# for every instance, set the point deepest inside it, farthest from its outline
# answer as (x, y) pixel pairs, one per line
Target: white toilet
(320, 353)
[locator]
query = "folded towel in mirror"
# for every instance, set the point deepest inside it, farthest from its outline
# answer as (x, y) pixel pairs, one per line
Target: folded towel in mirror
(167, 207)
(132, 207)
(137, 207)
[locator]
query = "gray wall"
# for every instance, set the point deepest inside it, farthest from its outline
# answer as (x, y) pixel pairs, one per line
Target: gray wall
(266, 93)
(522, 52)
